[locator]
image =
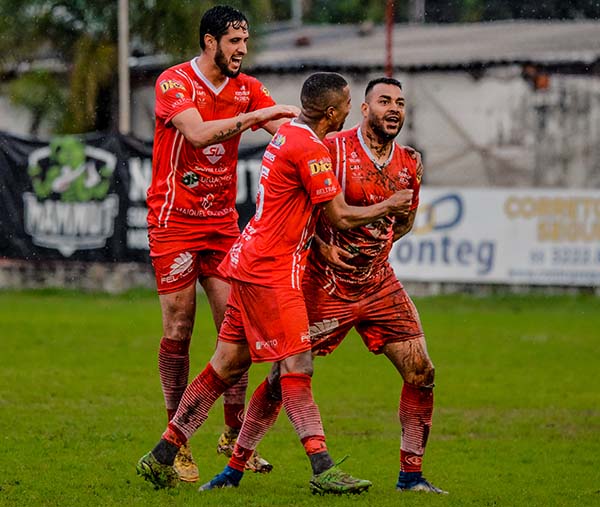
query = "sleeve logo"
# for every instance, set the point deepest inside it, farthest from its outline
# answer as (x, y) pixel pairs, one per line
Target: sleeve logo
(319, 166)
(165, 86)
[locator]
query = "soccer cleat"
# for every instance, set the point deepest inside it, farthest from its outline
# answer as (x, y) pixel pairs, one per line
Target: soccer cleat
(185, 466)
(256, 463)
(336, 482)
(160, 475)
(228, 478)
(414, 481)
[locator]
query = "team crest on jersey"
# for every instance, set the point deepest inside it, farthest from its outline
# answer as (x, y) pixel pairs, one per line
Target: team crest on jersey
(170, 84)
(319, 166)
(214, 152)
(278, 141)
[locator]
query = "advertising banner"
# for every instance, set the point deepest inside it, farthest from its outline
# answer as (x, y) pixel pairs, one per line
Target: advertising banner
(503, 235)
(84, 197)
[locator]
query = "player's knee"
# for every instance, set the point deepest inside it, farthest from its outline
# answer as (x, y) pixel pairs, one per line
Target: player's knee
(179, 327)
(423, 375)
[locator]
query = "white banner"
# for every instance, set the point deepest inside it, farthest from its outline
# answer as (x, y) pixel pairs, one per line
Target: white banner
(501, 235)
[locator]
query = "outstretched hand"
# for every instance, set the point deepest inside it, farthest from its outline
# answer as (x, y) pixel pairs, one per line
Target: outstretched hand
(279, 111)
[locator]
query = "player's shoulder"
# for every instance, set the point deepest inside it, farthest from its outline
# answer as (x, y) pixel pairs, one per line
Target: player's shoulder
(342, 136)
(405, 155)
(174, 74)
(247, 81)
(301, 138)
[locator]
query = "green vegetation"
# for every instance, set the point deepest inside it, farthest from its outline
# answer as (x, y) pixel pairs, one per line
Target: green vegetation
(516, 423)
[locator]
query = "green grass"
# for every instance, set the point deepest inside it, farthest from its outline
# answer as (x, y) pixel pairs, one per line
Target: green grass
(517, 418)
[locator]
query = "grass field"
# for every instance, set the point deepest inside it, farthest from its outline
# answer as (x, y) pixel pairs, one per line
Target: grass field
(517, 418)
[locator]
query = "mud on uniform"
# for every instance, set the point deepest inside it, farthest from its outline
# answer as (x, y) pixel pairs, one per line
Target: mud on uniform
(192, 220)
(266, 264)
(369, 298)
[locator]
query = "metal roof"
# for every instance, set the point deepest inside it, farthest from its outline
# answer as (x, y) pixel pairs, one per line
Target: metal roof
(431, 46)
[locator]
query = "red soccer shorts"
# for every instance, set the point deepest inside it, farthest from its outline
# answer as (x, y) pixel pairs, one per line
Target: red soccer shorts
(272, 321)
(383, 316)
(179, 261)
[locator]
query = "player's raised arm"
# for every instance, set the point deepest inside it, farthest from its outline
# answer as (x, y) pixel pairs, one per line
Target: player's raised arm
(344, 216)
(204, 133)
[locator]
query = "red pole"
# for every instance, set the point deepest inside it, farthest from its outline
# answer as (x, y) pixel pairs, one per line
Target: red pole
(389, 28)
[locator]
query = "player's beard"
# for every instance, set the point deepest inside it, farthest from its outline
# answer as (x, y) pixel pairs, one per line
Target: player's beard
(380, 131)
(221, 62)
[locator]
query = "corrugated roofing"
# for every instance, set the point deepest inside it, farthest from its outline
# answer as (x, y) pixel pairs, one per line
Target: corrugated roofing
(422, 46)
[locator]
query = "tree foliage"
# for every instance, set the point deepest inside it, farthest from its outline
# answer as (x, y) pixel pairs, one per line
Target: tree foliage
(83, 35)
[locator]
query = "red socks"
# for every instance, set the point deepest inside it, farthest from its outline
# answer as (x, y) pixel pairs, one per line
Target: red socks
(174, 368)
(303, 412)
(415, 413)
(195, 403)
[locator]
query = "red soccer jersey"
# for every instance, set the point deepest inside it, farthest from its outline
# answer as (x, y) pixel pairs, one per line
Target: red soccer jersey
(196, 188)
(296, 175)
(363, 184)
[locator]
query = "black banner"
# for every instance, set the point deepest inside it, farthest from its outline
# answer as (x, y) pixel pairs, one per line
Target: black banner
(83, 197)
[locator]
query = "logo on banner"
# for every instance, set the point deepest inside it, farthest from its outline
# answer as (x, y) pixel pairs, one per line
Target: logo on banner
(437, 244)
(70, 208)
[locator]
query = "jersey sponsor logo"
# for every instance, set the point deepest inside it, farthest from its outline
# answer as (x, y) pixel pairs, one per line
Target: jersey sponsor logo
(190, 212)
(264, 172)
(278, 141)
(214, 152)
(182, 265)
(170, 84)
(325, 191)
(269, 156)
(319, 166)
(242, 95)
(190, 179)
(265, 91)
(266, 344)
(404, 176)
(207, 201)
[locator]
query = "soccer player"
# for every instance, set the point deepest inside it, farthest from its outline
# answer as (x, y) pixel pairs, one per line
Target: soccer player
(266, 318)
(350, 283)
(202, 108)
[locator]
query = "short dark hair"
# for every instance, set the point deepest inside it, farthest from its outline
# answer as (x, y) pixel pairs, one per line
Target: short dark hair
(217, 20)
(320, 89)
(381, 80)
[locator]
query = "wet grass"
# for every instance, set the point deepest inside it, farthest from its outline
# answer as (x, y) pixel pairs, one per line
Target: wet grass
(517, 418)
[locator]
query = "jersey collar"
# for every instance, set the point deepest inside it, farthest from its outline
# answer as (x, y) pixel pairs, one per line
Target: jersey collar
(379, 166)
(205, 80)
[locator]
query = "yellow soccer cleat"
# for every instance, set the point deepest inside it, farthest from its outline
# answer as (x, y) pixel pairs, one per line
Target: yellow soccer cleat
(185, 466)
(256, 463)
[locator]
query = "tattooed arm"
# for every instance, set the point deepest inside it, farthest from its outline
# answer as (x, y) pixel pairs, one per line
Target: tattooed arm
(204, 133)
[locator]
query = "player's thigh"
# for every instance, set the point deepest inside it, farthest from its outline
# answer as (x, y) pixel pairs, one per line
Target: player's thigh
(178, 312)
(387, 315)
(216, 287)
(217, 291)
